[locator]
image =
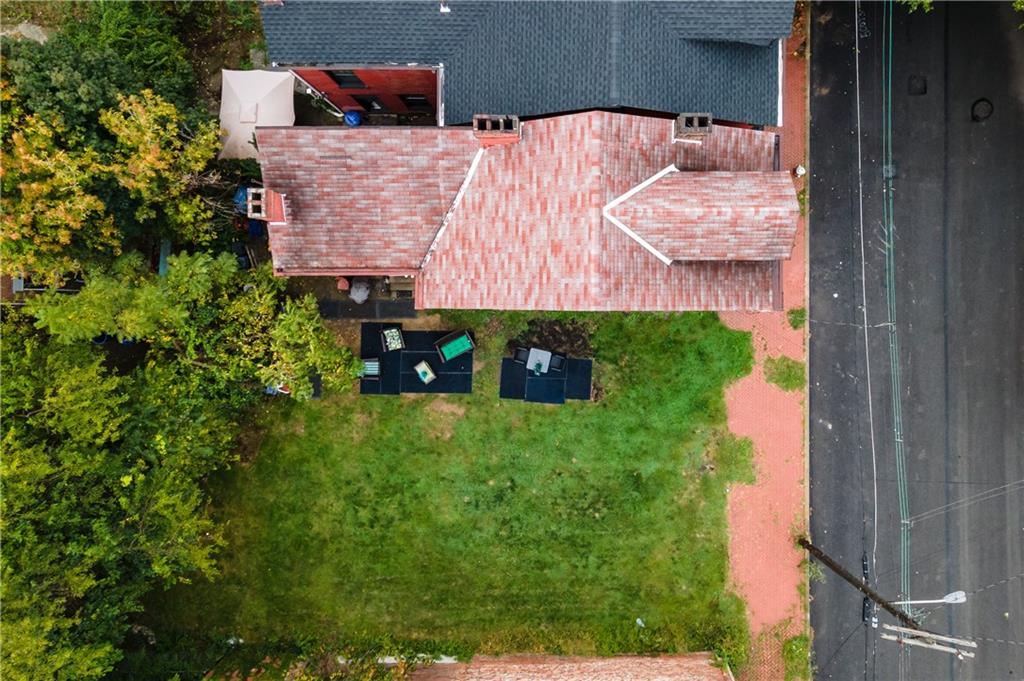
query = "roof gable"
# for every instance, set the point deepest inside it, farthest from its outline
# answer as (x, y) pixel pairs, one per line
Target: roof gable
(713, 215)
(361, 198)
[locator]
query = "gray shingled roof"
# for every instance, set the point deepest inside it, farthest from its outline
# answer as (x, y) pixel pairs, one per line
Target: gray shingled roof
(531, 58)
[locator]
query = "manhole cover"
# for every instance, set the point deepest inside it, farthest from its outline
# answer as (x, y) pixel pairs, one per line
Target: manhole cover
(981, 109)
(917, 85)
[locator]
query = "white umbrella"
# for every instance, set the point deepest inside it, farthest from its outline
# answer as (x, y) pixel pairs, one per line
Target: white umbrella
(251, 98)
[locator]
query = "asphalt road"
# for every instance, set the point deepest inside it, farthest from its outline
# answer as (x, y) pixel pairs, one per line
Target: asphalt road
(959, 285)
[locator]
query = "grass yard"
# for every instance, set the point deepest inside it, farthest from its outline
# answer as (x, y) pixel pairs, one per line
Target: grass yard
(487, 525)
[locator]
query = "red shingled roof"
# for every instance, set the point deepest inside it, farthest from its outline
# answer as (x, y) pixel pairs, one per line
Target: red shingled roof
(527, 230)
(362, 198)
(529, 233)
(692, 667)
(715, 216)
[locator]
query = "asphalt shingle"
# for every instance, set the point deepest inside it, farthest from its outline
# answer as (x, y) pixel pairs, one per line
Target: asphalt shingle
(532, 58)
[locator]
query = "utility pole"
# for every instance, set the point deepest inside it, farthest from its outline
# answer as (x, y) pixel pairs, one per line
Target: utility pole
(859, 584)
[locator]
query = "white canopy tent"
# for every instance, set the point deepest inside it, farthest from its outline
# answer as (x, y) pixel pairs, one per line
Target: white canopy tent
(251, 98)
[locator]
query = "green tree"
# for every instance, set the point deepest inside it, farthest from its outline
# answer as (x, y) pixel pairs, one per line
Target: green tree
(68, 81)
(101, 498)
(301, 346)
(231, 327)
(143, 37)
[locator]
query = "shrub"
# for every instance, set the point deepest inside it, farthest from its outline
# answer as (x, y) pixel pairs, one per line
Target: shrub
(796, 658)
(784, 372)
(797, 317)
(142, 35)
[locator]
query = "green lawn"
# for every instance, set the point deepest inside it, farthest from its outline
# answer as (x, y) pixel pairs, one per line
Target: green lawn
(495, 525)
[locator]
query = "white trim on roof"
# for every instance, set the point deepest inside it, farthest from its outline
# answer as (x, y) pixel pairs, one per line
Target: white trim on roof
(455, 204)
(440, 94)
(607, 212)
(782, 70)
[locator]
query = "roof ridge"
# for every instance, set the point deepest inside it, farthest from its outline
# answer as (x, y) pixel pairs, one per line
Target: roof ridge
(443, 227)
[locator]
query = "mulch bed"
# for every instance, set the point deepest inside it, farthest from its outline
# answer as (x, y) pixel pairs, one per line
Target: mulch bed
(568, 337)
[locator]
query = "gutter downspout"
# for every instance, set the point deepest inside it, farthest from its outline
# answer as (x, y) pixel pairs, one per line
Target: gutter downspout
(782, 69)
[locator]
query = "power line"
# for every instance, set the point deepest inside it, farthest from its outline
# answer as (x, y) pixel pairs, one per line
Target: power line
(986, 495)
(864, 292)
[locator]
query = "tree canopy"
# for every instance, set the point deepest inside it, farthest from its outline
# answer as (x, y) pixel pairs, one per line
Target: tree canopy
(103, 468)
(106, 152)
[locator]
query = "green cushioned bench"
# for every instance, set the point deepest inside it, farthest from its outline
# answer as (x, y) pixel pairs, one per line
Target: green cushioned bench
(453, 345)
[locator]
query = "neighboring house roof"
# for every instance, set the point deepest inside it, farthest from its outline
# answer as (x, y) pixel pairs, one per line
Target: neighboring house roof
(517, 226)
(531, 58)
(367, 198)
(692, 667)
(714, 216)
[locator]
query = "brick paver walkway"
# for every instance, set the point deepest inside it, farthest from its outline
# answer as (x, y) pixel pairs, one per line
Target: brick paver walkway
(765, 564)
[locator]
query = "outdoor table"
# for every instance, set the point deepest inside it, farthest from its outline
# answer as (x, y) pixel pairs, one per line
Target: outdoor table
(425, 373)
(538, 360)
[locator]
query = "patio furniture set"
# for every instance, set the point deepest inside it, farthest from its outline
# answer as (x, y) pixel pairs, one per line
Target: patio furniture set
(539, 375)
(399, 361)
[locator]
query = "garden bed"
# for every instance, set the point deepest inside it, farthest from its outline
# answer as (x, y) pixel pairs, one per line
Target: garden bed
(568, 337)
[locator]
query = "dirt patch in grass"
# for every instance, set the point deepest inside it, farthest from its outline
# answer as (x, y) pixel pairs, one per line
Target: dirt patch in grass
(569, 337)
(442, 418)
(346, 331)
(360, 423)
(425, 322)
(249, 442)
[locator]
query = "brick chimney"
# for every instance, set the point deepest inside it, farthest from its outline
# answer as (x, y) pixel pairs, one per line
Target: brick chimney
(691, 128)
(267, 205)
(493, 129)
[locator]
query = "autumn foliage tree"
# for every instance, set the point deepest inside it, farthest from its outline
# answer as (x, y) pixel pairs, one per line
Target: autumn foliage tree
(52, 220)
(163, 165)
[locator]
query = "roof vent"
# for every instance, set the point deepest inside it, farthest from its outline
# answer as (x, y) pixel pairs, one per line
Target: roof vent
(691, 128)
(496, 129)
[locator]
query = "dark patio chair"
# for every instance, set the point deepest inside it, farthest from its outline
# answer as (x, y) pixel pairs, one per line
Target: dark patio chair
(521, 355)
(557, 362)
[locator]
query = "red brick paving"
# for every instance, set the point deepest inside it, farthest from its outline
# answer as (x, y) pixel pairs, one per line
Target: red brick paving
(765, 564)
